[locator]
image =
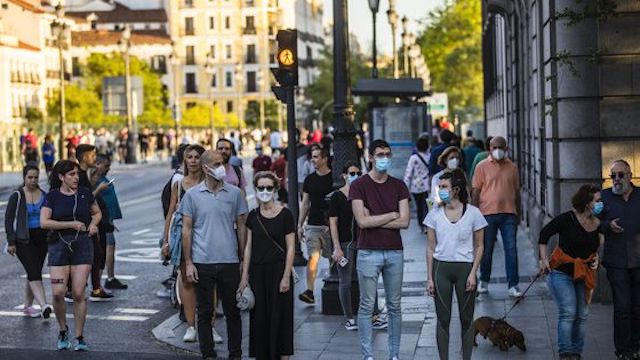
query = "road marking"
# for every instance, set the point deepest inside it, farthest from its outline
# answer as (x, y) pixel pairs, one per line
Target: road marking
(141, 255)
(3, 203)
(136, 311)
(140, 200)
(140, 232)
(93, 317)
(121, 277)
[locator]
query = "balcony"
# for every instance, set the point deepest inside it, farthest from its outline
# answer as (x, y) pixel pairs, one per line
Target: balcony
(249, 30)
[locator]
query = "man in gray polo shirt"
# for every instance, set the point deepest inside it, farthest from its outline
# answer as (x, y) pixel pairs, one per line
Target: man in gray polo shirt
(210, 245)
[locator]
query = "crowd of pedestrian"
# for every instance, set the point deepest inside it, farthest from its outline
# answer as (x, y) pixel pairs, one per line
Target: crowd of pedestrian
(226, 254)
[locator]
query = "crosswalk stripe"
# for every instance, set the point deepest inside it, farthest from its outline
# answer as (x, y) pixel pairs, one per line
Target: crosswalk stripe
(136, 311)
(92, 317)
(121, 277)
(140, 200)
(140, 232)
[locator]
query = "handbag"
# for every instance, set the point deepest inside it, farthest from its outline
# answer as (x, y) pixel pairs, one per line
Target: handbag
(294, 274)
(245, 300)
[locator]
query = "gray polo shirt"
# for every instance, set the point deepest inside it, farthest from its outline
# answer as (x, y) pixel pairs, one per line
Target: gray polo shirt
(214, 239)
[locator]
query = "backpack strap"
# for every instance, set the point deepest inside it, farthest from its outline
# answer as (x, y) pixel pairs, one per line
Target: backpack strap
(238, 172)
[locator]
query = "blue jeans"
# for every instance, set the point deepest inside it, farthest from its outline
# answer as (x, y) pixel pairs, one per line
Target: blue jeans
(370, 264)
(508, 226)
(572, 311)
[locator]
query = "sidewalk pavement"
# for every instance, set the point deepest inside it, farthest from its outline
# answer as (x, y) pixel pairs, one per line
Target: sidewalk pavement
(320, 336)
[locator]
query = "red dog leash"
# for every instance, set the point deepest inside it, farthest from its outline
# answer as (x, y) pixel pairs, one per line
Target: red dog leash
(521, 297)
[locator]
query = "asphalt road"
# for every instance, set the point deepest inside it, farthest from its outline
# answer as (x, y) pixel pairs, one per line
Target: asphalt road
(120, 329)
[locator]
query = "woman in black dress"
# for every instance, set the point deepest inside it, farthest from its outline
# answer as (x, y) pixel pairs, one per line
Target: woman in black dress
(268, 262)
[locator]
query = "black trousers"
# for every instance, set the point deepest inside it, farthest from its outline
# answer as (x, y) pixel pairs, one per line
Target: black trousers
(225, 278)
(33, 253)
(421, 205)
(625, 287)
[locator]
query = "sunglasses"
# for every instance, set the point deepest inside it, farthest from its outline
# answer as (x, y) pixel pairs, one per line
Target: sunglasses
(263, 188)
(357, 173)
(619, 175)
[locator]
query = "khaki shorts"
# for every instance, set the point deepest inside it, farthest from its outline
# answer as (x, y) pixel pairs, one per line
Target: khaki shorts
(318, 239)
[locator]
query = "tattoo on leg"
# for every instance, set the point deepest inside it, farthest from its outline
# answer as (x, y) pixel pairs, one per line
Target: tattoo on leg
(57, 281)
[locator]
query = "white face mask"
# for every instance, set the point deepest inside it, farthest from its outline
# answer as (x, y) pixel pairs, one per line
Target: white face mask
(453, 164)
(218, 173)
(498, 154)
(265, 196)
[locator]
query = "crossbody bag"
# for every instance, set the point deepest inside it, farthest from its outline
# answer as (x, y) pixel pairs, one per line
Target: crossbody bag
(294, 274)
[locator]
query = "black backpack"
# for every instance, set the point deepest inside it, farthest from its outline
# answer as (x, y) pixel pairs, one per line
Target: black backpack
(166, 193)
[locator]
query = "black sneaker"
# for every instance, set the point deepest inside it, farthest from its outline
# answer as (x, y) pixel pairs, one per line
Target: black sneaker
(307, 297)
(100, 295)
(115, 284)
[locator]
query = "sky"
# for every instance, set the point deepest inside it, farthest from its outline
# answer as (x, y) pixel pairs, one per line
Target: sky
(360, 20)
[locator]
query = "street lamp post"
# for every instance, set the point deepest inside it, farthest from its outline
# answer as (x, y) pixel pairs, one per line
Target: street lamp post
(59, 28)
(209, 68)
(261, 82)
(125, 44)
(393, 21)
(374, 5)
(405, 45)
(175, 63)
(238, 79)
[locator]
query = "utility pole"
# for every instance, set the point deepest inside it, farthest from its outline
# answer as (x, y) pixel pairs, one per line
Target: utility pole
(59, 28)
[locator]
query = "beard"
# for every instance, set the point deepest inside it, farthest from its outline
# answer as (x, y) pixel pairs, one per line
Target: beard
(225, 158)
(621, 188)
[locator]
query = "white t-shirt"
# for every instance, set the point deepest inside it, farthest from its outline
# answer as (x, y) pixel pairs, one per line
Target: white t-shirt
(454, 241)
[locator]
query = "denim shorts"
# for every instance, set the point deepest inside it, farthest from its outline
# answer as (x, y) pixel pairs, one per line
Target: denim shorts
(318, 239)
(71, 251)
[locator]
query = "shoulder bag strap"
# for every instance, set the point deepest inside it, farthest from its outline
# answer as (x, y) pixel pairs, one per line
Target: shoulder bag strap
(267, 232)
(422, 160)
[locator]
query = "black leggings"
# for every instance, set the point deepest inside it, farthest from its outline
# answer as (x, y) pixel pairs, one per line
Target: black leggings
(421, 206)
(33, 253)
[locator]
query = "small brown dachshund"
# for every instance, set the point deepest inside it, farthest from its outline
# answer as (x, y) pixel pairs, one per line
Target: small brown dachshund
(499, 332)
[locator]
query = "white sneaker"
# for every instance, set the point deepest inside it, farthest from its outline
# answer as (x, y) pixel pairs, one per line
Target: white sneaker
(514, 292)
(483, 287)
(216, 337)
(191, 335)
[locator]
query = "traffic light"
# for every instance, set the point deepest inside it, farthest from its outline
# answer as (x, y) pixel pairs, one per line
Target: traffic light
(287, 56)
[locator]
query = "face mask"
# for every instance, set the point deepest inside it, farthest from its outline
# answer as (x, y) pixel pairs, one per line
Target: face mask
(265, 196)
(218, 173)
(452, 164)
(383, 164)
(351, 179)
(498, 154)
(444, 195)
(597, 208)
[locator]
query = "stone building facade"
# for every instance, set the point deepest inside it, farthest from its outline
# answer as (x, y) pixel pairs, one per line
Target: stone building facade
(565, 91)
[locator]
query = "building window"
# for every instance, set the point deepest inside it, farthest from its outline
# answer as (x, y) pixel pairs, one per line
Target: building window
(251, 81)
(249, 2)
(212, 51)
(191, 57)
(188, 26)
(212, 22)
(250, 28)
(228, 53)
(159, 64)
(75, 66)
(191, 104)
(228, 79)
(191, 83)
(251, 54)
(227, 22)
(229, 106)
(214, 80)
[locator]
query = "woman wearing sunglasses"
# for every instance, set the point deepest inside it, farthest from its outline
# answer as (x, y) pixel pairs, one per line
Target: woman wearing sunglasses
(72, 215)
(267, 267)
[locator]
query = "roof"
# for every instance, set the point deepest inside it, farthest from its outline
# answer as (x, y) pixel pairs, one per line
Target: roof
(27, 6)
(109, 37)
(122, 14)
(21, 45)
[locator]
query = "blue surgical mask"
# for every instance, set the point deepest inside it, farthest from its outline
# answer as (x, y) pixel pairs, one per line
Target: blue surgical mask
(383, 164)
(597, 208)
(444, 195)
(351, 179)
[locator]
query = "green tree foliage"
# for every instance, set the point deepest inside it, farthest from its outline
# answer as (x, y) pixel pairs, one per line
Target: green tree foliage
(252, 114)
(82, 106)
(452, 46)
(321, 91)
(198, 117)
(98, 66)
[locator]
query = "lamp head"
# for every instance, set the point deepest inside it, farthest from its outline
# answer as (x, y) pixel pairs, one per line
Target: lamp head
(405, 24)
(374, 5)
